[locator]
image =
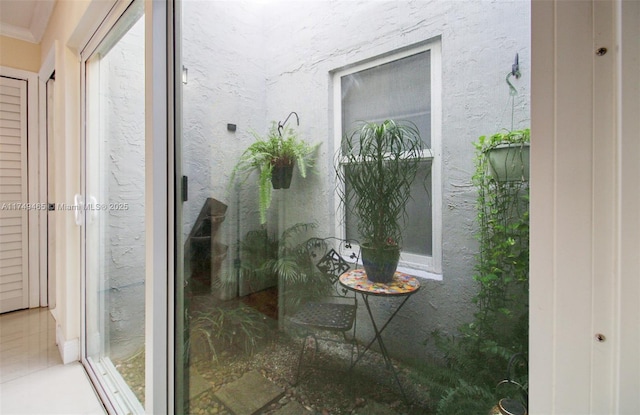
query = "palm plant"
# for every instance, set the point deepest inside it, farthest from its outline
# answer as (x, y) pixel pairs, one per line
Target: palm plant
(274, 157)
(377, 166)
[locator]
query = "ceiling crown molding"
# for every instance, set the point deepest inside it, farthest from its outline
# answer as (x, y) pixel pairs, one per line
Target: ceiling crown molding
(40, 20)
(40, 14)
(17, 32)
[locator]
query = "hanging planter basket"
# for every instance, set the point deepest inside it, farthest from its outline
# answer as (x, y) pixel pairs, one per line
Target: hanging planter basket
(281, 176)
(508, 162)
(279, 149)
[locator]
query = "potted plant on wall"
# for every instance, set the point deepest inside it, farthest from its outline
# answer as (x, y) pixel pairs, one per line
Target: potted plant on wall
(506, 155)
(376, 167)
(274, 158)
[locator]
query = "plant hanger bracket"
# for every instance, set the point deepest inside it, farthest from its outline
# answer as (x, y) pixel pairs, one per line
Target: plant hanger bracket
(513, 92)
(515, 72)
(282, 124)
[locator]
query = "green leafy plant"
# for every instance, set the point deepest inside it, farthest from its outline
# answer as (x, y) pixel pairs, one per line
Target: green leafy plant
(502, 267)
(486, 143)
(377, 164)
(269, 153)
(476, 359)
(266, 255)
(230, 326)
(258, 250)
(223, 328)
(506, 155)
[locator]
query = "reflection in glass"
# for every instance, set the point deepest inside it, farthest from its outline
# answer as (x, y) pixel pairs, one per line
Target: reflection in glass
(115, 211)
(241, 285)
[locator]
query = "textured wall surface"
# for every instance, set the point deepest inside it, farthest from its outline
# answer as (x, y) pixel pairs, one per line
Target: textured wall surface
(251, 63)
(223, 51)
(123, 170)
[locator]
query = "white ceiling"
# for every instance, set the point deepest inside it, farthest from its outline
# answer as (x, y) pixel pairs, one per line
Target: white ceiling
(25, 19)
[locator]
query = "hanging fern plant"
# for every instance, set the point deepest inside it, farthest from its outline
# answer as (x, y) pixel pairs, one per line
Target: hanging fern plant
(269, 154)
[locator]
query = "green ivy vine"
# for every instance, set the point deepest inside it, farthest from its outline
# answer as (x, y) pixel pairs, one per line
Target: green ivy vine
(476, 359)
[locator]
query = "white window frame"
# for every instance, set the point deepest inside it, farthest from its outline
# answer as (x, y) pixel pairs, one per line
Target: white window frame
(429, 267)
(159, 194)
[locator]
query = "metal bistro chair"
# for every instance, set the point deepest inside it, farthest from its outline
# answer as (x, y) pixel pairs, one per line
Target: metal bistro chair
(336, 312)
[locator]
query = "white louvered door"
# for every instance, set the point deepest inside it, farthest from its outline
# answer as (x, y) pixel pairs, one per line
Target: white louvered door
(13, 195)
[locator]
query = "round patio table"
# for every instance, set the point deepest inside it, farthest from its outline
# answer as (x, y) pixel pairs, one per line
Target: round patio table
(403, 286)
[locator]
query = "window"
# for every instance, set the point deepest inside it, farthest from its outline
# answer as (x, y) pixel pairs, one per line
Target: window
(401, 86)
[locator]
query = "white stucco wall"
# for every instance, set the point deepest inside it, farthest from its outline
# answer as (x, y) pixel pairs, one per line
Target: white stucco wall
(223, 51)
(257, 62)
(122, 112)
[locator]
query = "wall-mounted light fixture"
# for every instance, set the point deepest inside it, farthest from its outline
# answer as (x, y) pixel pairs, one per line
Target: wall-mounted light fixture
(185, 73)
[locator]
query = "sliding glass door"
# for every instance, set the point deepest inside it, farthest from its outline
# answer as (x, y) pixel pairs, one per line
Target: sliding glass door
(114, 211)
(251, 290)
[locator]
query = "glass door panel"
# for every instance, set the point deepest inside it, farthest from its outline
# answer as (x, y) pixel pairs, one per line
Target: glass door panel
(114, 211)
(246, 271)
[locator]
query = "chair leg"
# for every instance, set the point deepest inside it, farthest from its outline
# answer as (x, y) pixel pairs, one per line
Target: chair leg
(304, 344)
(309, 336)
(354, 340)
(354, 345)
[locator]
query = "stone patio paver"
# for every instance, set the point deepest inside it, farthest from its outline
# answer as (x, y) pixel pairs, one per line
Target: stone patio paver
(374, 408)
(249, 394)
(197, 384)
(292, 408)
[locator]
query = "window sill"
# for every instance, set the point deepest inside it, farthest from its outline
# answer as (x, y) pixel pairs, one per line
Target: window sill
(420, 273)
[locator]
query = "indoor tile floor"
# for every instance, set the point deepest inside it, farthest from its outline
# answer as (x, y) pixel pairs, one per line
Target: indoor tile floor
(33, 379)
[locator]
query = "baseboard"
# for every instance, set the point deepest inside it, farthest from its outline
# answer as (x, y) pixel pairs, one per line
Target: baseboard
(69, 349)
